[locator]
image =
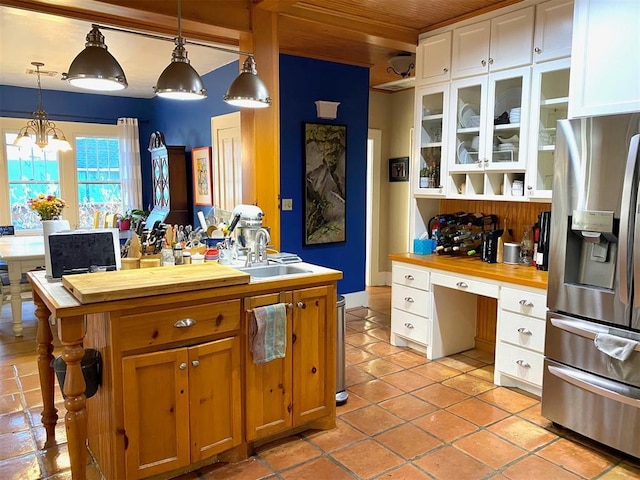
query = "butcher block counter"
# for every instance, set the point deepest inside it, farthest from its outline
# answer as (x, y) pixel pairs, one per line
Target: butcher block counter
(501, 272)
(179, 388)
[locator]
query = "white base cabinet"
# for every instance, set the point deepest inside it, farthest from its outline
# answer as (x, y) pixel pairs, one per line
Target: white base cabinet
(434, 312)
(520, 338)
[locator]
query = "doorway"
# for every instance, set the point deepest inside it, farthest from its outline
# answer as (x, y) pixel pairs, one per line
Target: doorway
(372, 250)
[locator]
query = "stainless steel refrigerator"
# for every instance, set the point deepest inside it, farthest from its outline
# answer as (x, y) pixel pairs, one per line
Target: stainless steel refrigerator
(591, 380)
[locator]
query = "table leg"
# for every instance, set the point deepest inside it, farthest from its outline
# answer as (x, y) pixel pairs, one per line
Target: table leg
(45, 370)
(71, 333)
(15, 275)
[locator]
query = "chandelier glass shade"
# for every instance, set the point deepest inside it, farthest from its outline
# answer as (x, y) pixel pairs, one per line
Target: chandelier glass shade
(46, 134)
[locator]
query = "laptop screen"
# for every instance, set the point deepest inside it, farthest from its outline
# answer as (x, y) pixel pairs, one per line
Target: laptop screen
(77, 252)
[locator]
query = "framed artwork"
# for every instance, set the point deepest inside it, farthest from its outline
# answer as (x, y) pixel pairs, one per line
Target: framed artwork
(325, 158)
(201, 162)
(399, 169)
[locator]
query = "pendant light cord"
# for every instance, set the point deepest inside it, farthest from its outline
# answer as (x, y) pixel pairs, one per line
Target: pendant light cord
(179, 19)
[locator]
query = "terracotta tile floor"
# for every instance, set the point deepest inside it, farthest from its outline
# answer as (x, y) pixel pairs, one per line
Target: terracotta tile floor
(406, 418)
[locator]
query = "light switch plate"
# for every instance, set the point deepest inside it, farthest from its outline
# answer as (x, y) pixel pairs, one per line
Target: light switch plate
(287, 204)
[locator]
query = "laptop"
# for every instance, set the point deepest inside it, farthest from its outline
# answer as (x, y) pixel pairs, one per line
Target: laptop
(83, 251)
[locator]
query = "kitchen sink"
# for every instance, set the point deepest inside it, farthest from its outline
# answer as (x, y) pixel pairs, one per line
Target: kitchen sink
(267, 271)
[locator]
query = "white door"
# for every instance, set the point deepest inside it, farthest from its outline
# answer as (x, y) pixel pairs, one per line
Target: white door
(227, 160)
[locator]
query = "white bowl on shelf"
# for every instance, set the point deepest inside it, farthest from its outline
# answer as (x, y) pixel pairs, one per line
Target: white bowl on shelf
(511, 139)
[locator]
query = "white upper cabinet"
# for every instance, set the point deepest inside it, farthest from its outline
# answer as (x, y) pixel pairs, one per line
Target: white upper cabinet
(497, 44)
(605, 65)
(433, 62)
(554, 26)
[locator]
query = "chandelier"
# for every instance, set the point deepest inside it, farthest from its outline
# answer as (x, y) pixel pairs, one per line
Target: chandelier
(46, 133)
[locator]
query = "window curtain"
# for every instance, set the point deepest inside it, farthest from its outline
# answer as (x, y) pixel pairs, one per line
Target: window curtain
(129, 142)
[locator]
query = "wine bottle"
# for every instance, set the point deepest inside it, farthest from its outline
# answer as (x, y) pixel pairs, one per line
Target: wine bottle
(502, 239)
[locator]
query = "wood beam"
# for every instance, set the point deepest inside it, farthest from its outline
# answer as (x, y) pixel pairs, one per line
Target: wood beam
(260, 128)
(275, 5)
(207, 24)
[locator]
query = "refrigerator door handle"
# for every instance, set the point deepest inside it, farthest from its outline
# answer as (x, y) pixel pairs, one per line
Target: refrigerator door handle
(581, 380)
(633, 158)
(582, 329)
(628, 189)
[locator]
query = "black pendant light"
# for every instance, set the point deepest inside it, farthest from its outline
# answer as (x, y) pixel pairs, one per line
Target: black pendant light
(95, 68)
(179, 80)
(248, 89)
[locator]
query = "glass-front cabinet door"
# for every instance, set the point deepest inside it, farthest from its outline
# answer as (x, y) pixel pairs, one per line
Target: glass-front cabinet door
(550, 102)
(468, 101)
(507, 121)
(430, 146)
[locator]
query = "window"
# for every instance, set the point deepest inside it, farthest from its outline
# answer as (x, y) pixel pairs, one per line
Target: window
(98, 167)
(87, 178)
(31, 171)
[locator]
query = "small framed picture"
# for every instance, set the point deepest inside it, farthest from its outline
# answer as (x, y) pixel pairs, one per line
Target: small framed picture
(202, 193)
(399, 169)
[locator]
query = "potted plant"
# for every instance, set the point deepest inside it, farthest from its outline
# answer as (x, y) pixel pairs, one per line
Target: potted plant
(124, 223)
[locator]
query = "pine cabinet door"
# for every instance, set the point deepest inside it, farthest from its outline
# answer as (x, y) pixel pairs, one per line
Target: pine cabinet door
(215, 397)
(269, 385)
(314, 354)
(156, 412)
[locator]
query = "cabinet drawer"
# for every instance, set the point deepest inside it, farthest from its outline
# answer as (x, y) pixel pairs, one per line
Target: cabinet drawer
(465, 285)
(523, 331)
(519, 363)
(523, 302)
(412, 327)
(161, 326)
(411, 277)
(411, 300)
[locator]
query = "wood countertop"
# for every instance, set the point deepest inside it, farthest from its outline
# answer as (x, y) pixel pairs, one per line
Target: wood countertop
(502, 272)
(62, 302)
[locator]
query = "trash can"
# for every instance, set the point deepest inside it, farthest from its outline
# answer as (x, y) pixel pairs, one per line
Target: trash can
(91, 371)
(341, 391)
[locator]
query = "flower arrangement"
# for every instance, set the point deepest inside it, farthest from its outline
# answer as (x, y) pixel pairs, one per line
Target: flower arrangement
(49, 207)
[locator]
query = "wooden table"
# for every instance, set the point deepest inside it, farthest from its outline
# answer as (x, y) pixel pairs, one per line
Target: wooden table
(22, 253)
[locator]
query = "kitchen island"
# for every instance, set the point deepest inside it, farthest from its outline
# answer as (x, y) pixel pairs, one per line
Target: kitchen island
(179, 388)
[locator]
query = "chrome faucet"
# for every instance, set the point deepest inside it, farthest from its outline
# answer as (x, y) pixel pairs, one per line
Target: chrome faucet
(259, 256)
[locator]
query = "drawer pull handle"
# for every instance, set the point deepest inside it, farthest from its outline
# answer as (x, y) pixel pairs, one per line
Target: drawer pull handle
(301, 305)
(524, 331)
(462, 285)
(409, 277)
(195, 363)
(523, 364)
(183, 366)
(408, 325)
(184, 323)
(526, 303)
(408, 299)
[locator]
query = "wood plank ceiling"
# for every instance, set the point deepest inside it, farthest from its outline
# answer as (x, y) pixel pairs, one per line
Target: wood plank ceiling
(359, 32)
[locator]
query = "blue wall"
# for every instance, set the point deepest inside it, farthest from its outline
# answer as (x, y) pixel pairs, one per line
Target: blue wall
(302, 82)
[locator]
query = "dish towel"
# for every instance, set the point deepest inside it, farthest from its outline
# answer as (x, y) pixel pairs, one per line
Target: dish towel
(268, 333)
(616, 347)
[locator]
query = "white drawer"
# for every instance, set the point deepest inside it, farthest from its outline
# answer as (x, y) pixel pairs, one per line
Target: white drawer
(519, 363)
(464, 284)
(412, 327)
(410, 277)
(526, 303)
(523, 331)
(411, 300)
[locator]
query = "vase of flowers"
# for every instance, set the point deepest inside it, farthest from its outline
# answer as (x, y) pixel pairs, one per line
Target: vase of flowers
(49, 208)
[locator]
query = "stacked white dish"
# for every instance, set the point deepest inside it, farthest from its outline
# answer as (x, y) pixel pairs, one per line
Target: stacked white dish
(514, 115)
(468, 116)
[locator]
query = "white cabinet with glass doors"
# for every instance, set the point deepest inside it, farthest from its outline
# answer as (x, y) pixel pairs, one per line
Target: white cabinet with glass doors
(549, 103)
(489, 128)
(430, 147)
